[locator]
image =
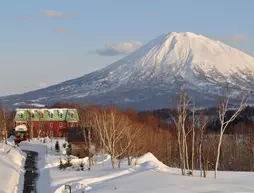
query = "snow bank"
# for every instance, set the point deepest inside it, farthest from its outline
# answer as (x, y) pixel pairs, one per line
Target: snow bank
(149, 161)
(12, 160)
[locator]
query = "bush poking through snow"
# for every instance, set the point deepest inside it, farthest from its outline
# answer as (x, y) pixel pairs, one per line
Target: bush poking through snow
(81, 165)
(68, 161)
(64, 145)
(65, 164)
(61, 164)
(57, 146)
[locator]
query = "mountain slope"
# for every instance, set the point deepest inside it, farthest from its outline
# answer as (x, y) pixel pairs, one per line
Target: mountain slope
(147, 78)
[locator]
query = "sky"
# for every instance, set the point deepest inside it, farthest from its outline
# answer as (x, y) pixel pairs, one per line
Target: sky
(46, 42)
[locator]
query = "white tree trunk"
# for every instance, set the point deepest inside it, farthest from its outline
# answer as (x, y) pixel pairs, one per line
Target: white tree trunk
(218, 155)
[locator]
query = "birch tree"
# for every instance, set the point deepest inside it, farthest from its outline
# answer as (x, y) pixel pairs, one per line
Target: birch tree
(193, 127)
(203, 124)
(111, 127)
(182, 104)
(223, 108)
(86, 124)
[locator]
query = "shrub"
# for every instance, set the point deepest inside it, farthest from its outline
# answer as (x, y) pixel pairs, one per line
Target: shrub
(64, 145)
(61, 165)
(81, 165)
(57, 147)
(68, 161)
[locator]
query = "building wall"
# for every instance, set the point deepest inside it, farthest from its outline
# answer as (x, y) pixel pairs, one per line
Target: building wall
(79, 149)
(47, 128)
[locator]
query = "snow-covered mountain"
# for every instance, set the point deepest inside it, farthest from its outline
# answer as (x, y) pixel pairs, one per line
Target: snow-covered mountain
(148, 77)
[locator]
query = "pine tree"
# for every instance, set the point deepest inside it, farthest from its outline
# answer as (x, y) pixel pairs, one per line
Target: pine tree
(57, 146)
(61, 165)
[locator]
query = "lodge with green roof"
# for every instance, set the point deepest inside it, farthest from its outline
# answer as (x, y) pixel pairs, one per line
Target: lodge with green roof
(47, 122)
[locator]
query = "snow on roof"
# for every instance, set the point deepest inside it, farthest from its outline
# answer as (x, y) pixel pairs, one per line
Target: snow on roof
(21, 128)
(42, 110)
(60, 111)
(51, 111)
(20, 112)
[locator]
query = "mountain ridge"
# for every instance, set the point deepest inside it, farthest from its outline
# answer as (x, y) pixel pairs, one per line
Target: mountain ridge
(153, 72)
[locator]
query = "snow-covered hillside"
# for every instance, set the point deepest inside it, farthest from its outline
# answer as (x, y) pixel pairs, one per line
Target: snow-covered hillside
(147, 78)
(148, 176)
(11, 169)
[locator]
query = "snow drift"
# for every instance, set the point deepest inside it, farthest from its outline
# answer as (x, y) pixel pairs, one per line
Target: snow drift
(11, 169)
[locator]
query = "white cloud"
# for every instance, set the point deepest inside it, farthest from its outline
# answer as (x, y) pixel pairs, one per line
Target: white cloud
(42, 85)
(57, 14)
(119, 48)
(22, 18)
(236, 37)
(62, 30)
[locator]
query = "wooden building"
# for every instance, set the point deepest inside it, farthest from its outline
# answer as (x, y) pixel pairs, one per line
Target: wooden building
(77, 139)
(47, 122)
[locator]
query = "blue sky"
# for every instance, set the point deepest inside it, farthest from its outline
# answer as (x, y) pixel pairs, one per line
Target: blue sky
(46, 42)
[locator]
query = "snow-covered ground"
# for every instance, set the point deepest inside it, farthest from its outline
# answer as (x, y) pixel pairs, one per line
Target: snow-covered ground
(150, 175)
(11, 168)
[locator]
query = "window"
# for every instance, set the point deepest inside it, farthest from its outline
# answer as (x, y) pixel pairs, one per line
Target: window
(60, 124)
(61, 116)
(42, 115)
(51, 115)
(21, 115)
(32, 116)
(51, 133)
(51, 124)
(72, 124)
(72, 115)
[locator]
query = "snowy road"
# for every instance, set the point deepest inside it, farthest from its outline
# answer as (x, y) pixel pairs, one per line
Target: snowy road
(43, 182)
(31, 174)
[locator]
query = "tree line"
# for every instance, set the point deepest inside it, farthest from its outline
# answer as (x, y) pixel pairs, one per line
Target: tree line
(184, 142)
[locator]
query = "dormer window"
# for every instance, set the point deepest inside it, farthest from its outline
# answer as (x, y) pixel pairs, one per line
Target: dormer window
(51, 115)
(21, 116)
(61, 116)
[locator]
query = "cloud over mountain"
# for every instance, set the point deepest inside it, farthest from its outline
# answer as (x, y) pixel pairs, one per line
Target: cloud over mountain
(236, 37)
(58, 14)
(119, 48)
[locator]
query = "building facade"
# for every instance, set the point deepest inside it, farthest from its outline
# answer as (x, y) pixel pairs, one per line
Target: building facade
(47, 122)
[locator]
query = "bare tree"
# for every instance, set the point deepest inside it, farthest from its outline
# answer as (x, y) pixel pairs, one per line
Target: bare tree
(111, 127)
(86, 124)
(223, 108)
(182, 104)
(3, 125)
(29, 124)
(193, 138)
(40, 124)
(202, 128)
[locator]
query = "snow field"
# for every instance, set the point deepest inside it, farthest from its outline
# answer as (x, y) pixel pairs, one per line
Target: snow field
(148, 176)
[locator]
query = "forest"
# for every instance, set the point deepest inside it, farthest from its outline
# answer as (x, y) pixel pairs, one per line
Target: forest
(185, 137)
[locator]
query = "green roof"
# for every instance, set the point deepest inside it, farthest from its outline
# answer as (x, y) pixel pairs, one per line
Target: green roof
(69, 115)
